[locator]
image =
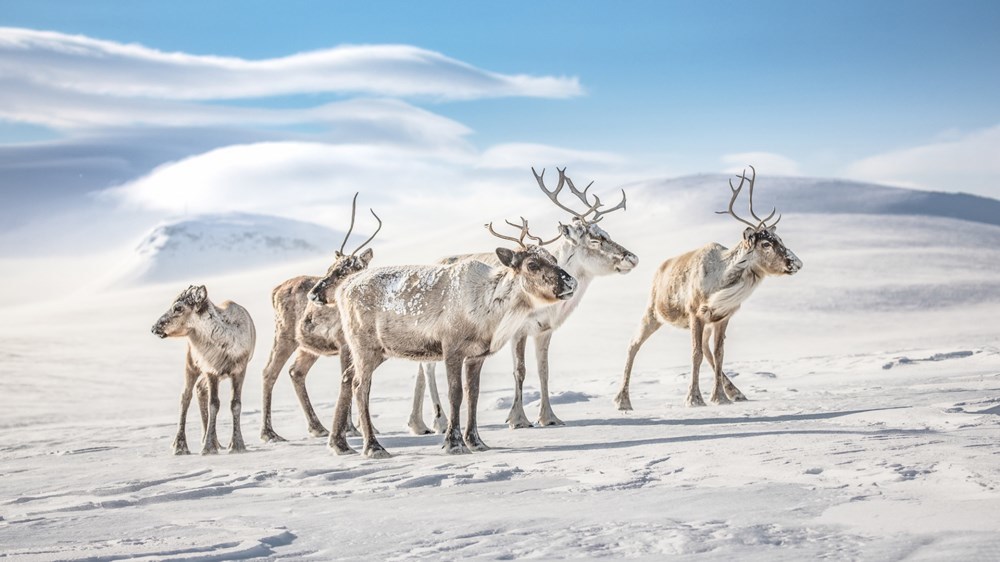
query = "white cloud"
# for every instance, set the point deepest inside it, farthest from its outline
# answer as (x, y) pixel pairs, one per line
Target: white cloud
(91, 66)
(969, 163)
(764, 162)
(519, 155)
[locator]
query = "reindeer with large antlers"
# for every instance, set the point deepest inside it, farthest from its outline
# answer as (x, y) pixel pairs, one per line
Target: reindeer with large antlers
(585, 251)
(304, 324)
(702, 289)
(460, 313)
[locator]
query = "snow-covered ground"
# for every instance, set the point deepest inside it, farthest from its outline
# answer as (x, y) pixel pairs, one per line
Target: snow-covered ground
(872, 430)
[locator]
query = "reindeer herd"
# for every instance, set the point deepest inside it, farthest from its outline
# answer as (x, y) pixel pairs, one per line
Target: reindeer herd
(460, 311)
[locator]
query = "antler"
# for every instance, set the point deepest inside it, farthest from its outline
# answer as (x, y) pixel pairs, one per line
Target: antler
(581, 195)
(600, 214)
(372, 237)
(354, 207)
(524, 234)
(762, 222)
(554, 194)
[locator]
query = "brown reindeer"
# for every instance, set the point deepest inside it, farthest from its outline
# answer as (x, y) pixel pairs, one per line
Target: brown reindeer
(304, 324)
(220, 344)
(460, 313)
(702, 289)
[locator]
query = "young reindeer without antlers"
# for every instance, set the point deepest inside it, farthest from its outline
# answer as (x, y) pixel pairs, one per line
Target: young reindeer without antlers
(586, 251)
(460, 313)
(702, 289)
(303, 323)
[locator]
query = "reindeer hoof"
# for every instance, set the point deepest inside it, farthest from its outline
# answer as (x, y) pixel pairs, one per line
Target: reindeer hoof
(419, 428)
(182, 450)
(518, 421)
(237, 448)
(477, 446)
(270, 436)
(440, 424)
(376, 452)
(342, 448)
(550, 420)
(694, 400)
(623, 402)
(210, 451)
(319, 432)
(459, 449)
(720, 399)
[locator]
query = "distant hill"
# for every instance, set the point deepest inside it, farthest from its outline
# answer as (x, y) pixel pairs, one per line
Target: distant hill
(216, 244)
(809, 195)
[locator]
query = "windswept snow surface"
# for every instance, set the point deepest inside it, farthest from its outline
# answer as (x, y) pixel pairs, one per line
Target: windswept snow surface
(835, 456)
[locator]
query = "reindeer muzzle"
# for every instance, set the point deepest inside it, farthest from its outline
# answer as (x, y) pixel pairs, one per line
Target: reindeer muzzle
(792, 264)
(158, 331)
(567, 286)
(627, 263)
(318, 293)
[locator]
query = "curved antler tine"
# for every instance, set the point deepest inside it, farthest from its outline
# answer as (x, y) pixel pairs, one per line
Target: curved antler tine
(354, 207)
(489, 227)
(732, 200)
(621, 205)
(776, 222)
(372, 237)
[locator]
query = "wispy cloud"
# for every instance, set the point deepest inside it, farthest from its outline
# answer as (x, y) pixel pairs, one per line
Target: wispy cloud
(92, 66)
(519, 155)
(966, 163)
(768, 162)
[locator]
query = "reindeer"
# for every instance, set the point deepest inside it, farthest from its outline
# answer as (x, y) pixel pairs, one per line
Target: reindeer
(586, 251)
(702, 289)
(461, 313)
(304, 324)
(220, 344)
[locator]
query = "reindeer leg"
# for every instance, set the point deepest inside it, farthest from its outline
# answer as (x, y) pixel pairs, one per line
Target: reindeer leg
(440, 421)
(516, 418)
(730, 389)
(342, 414)
(299, 371)
(694, 392)
(473, 368)
(280, 352)
(210, 441)
(647, 326)
(201, 388)
(180, 446)
(236, 444)
(416, 423)
(453, 443)
(545, 415)
(365, 363)
(715, 362)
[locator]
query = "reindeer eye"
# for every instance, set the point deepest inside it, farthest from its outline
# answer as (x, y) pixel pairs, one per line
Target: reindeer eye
(178, 308)
(595, 242)
(533, 266)
(765, 244)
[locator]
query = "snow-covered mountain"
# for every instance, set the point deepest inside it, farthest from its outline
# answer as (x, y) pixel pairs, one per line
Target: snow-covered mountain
(823, 196)
(216, 244)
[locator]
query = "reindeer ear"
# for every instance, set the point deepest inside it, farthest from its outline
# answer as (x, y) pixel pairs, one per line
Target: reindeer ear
(506, 256)
(338, 255)
(566, 233)
(200, 294)
(366, 256)
(772, 228)
(748, 233)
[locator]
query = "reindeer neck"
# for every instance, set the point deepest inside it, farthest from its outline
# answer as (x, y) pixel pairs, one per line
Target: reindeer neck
(568, 257)
(508, 307)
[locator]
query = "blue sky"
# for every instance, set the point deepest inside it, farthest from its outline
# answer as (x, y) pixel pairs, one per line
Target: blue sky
(673, 86)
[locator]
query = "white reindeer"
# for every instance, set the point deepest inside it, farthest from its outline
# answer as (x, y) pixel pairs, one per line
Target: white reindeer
(460, 313)
(702, 289)
(304, 324)
(220, 344)
(585, 251)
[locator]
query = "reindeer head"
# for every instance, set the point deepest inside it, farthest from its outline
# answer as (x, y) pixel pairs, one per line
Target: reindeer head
(536, 269)
(593, 246)
(765, 250)
(343, 265)
(176, 322)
